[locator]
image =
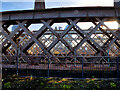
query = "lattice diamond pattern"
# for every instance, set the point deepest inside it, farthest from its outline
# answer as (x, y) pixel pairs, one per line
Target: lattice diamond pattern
(73, 38)
(11, 28)
(86, 50)
(118, 41)
(10, 51)
(60, 42)
(35, 50)
(114, 50)
(47, 38)
(60, 49)
(99, 38)
(2, 39)
(23, 39)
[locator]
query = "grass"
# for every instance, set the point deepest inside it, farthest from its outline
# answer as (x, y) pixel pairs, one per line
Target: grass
(30, 82)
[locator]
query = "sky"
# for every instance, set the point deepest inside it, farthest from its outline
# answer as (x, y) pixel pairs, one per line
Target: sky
(10, 5)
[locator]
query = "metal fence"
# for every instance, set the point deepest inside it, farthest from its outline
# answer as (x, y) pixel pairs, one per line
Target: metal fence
(66, 67)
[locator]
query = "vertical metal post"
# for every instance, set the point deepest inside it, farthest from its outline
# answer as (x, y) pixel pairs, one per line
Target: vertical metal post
(108, 59)
(74, 61)
(0, 65)
(74, 58)
(118, 68)
(17, 60)
(48, 66)
(18, 49)
(82, 69)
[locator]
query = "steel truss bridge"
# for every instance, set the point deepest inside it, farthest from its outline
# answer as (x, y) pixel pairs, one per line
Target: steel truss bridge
(60, 45)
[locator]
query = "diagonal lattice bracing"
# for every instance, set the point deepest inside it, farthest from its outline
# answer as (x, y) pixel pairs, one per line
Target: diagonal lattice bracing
(107, 44)
(36, 35)
(72, 41)
(31, 35)
(11, 41)
(112, 38)
(87, 36)
(62, 35)
(2, 39)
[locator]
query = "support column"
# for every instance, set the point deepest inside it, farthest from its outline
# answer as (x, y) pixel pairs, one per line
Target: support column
(39, 4)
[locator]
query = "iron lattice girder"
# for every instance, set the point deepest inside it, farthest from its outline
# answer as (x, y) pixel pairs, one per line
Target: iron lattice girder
(62, 35)
(72, 23)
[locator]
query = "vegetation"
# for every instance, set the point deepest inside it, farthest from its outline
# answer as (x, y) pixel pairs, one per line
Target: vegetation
(31, 82)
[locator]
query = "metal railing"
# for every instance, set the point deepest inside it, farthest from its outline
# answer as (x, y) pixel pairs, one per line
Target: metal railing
(68, 67)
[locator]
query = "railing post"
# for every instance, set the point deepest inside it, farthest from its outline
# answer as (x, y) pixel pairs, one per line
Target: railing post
(118, 68)
(48, 66)
(74, 61)
(108, 59)
(82, 69)
(17, 60)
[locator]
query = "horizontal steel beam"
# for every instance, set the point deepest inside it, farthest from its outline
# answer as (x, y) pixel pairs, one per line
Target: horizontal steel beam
(99, 67)
(74, 32)
(61, 13)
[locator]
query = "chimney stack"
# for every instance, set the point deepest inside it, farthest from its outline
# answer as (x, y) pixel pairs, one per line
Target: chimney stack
(39, 4)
